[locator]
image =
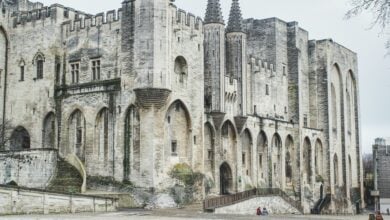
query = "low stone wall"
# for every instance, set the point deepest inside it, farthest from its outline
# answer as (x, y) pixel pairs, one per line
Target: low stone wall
(28, 201)
(274, 204)
(29, 168)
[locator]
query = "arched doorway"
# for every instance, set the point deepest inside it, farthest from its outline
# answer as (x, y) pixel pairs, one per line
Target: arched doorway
(226, 179)
(20, 139)
(49, 131)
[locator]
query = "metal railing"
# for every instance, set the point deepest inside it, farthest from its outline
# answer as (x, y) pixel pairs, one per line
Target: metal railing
(210, 204)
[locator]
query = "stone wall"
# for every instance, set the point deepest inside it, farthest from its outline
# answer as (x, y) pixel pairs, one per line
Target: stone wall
(33, 168)
(25, 201)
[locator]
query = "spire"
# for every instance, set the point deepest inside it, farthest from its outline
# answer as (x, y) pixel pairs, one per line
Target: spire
(214, 12)
(235, 18)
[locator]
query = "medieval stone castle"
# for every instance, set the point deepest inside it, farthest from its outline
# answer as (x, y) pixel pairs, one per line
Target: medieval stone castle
(129, 94)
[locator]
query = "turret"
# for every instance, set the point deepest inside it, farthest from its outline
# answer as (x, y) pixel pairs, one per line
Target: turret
(214, 49)
(236, 54)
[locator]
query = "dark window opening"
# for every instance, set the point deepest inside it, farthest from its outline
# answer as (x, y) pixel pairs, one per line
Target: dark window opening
(267, 89)
(39, 68)
(58, 72)
(210, 155)
(22, 73)
(75, 72)
(96, 70)
(243, 158)
(305, 123)
(174, 148)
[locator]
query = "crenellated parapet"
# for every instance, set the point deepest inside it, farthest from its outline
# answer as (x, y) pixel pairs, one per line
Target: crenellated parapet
(98, 20)
(183, 18)
(260, 66)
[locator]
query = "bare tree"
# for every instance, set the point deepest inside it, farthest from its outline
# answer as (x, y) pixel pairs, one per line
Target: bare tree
(380, 9)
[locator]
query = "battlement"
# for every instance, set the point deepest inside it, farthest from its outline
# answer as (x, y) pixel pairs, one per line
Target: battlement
(97, 20)
(260, 66)
(187, 19)
(54, 13)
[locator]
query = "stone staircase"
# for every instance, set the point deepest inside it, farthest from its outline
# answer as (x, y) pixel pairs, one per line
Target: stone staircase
(67, 179)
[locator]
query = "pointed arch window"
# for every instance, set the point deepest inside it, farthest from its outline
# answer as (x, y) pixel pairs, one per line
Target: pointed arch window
(22, 65)
(38, 61)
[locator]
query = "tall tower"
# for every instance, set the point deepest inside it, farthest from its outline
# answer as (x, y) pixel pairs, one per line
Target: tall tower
(235, 54)
(214, 49)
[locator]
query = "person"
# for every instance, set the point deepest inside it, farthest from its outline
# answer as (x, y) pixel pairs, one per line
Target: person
(378, 215)
(265, 212)
(258, 211)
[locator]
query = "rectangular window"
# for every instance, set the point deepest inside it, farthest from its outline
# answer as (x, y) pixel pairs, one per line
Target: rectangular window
(243, 158)
(96, 70)
(22, 73)
(58, 73)
(194, 139)
(255, 109)
(284, 71)
(267, 89)
(210, 155)
(39, 69)
(174, 148)
(74, 70)
(305, 124)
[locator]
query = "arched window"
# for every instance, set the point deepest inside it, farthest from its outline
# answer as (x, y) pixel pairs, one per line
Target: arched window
(39, 59)
(20, 139)
(181, 68)
(22, 69)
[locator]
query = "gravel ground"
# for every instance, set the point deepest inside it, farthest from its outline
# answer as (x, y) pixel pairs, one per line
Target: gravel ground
(176, 214)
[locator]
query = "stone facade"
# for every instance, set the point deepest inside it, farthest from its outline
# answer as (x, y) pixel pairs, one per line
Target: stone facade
(381, 155)
(134, 92)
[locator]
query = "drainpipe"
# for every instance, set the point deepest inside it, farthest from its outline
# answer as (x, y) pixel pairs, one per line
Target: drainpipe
(5, 89)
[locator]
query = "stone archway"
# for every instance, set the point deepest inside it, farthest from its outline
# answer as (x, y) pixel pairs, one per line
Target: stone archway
(226, 179)
(20, 139)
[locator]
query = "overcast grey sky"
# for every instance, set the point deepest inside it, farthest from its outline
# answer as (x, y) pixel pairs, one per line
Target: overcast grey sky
(323, 19)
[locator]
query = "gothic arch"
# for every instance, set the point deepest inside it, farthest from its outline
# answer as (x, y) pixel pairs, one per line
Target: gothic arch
(262, 150)
(319, 158)
(307, 158)
(132, 150)
(209, 135)
(290, 158)
(49, 131)
(178, 127)
(76, 134)
(229, 141)
(247, 146)
(102, 124)
(20, 139)
(276, 160)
